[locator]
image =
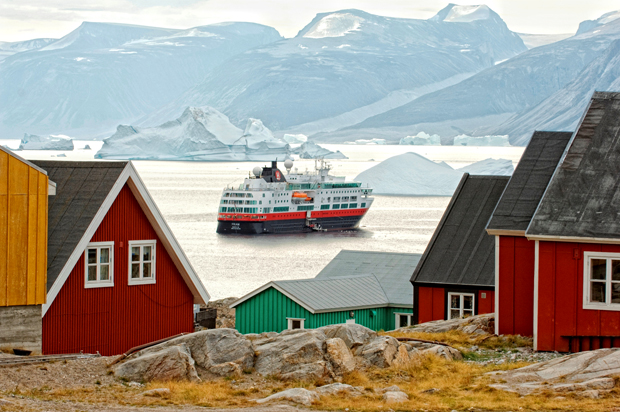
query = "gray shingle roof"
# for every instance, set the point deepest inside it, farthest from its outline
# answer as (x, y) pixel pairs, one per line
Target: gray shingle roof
(460, 251)
(392, 270)
(518, 203)
(583, 197)
(330, 294)
(81, 188)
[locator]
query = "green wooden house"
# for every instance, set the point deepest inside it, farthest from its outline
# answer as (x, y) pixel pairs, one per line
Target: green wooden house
(368, 288)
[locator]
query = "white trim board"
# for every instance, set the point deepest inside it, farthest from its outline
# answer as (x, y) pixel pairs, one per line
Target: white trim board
(535, 326)
(130, 177)
(497, 285)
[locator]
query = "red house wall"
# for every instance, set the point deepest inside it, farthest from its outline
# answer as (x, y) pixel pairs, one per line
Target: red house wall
(560, 298)
(112, 320)
(432, 304)
(516, 286)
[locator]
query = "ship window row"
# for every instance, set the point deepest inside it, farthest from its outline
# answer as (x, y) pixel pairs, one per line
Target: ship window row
(280, 209)
(238, 202)
(228, 194)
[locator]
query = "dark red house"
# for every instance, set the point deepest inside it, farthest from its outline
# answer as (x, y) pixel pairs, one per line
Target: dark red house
(575, 231)
(117, 277)
(514, 253)
(456, 274)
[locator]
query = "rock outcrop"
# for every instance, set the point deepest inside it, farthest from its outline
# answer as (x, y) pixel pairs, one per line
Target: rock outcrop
(580, 372)
(325, 353)
(297, 395)
(473, 325)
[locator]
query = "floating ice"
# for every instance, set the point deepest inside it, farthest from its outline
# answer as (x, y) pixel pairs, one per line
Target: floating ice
(411, 174)
(311, 150)
(51, 142)
(295, 138)
(368, 141)
(465, 140)
(421, 139)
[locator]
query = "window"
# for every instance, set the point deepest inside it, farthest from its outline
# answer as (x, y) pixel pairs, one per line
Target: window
(335, 206)
(99, 265)
(460, 305)
(363, 204)
(343, 206)
(403, 320)
(324, 207)
(295, 323)
(281, 209)
(141, 262)
(601, 281)
(352, 205)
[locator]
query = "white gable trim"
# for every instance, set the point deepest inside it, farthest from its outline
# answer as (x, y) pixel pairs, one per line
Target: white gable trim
(279, 289)
(575, 239)
(131, 177)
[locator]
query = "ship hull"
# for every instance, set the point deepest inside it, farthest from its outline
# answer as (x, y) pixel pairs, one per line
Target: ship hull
(288, 225)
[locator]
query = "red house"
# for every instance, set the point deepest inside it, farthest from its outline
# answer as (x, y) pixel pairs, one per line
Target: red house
(575, 231)
(455, 277)
(514, 253)
(117, 277)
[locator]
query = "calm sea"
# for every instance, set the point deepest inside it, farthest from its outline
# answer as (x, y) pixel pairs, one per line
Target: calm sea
(188, 194)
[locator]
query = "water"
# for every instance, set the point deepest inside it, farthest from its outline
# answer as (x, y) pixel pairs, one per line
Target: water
(188, 194)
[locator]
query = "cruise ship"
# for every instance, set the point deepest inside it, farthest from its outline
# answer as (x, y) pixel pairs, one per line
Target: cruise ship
(274, 202)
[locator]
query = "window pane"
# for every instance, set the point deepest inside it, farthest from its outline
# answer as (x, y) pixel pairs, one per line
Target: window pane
(615, 270)
(468, 302)
(92, 255)
(104, 272)
(146, 270)
(597, 292)
(135, 254)
(92, 273)
(455, 314)
(104, 255)
(467, 313)
(135, 270)
(615, 293)
(598, 269)
(455, 302)
(146, 253)
(296, 324)
(402, 321)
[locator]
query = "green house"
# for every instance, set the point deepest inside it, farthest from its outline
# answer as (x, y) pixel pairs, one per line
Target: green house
(368, 288)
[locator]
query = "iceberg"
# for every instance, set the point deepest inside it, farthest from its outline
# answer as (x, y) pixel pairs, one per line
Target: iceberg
(368, 141)
(421, 139)
(465, 140)
(295, 138)
(51, 142)
(199, 134)
(311, 150)
(411, 174)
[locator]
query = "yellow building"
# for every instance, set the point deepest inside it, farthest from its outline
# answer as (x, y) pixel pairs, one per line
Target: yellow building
(24, 189)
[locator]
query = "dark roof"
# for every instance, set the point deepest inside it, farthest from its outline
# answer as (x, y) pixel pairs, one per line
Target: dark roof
(583, 197)
(518, 203)
(460, 251)
(81, 188)
(392, 270)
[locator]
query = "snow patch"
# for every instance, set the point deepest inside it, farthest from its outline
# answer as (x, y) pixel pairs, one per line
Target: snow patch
(51, 142)
(467, 14)
(80, 59)
(411, 174)
(334, 25)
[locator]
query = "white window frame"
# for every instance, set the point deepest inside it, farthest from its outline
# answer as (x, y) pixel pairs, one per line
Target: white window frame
(587, 257)
(461, 309)
(142, 280)
(88, 284)
(397, 319)
(290, 323)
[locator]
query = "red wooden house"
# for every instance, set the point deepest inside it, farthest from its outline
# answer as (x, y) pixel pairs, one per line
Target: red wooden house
(117, 277)
(575, 231)
(514, 253)
(455, 277)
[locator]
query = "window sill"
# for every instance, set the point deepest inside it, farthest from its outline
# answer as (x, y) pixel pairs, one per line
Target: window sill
(95, 285)
(138, 282)
(611, 308)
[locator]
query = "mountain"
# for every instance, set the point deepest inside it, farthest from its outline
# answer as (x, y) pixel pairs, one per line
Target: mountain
(199, 134)
(10, 48)
(348, 65)
(537, 40)
(103, 74)
(481, 103)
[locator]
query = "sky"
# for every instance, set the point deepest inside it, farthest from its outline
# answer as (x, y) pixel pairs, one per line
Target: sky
(29, 19)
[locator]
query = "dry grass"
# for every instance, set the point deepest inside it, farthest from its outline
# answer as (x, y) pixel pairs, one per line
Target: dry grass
(463, 340)
(458, 386)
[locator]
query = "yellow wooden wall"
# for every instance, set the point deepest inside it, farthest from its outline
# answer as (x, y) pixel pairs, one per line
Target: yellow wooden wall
(23, 233)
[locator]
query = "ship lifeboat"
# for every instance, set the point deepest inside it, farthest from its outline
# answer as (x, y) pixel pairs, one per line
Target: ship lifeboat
(299, 195)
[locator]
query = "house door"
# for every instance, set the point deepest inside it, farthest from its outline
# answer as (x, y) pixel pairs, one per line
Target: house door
(460, 305)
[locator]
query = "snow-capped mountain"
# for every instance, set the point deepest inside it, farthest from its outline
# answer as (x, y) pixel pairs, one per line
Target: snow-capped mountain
(199, 134)
(348, 65)
(481, 103)
(103, 74)
(10, 48)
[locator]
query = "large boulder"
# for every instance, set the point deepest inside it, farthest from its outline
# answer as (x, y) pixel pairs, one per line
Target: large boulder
(222, 352)
(379, 352)
(473, 325)
(165, 364)
(340, 356)
(297, 395)
(293, 354)
(579, 372)
(352, 334)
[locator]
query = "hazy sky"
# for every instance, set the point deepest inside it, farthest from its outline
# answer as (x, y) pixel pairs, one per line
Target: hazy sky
(27, 19)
